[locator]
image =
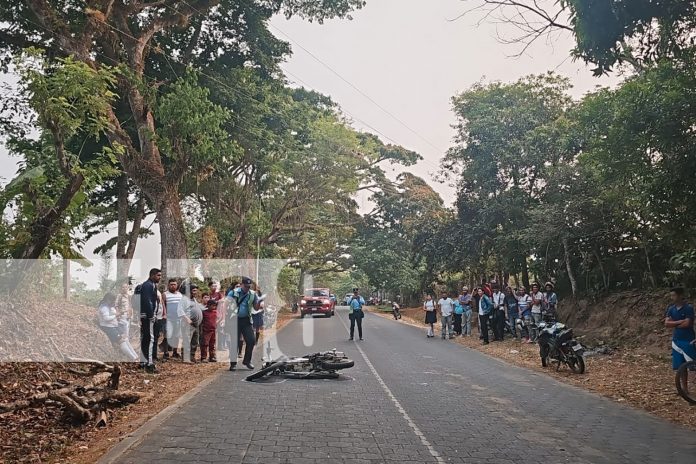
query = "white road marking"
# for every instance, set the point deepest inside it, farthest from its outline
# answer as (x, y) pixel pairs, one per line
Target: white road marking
(396, 402)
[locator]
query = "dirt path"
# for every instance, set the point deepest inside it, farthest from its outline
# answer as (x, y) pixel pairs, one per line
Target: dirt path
(626, 376)
(40, 435)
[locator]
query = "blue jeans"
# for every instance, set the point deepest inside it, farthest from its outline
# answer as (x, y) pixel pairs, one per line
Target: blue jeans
(447, 324)
(511, 319)
(466, 325)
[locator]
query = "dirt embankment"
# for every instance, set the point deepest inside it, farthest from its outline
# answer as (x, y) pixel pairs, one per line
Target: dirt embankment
(631, 319)
(637, 372)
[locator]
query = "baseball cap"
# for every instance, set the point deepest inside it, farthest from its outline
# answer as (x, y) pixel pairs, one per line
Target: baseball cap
(246, 281)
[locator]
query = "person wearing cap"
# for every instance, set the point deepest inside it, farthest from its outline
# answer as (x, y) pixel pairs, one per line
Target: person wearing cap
(241, 302)
(209, 328)
(550, 301)
(356, 313)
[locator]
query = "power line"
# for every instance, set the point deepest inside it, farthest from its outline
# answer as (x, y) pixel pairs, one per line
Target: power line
(355, 87)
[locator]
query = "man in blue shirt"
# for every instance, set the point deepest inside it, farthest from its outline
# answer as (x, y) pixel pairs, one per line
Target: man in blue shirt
(241, 301)
(356, 313)
(680, 317)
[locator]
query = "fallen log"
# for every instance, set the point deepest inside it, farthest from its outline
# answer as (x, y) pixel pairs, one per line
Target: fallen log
(73, 409)
(98, 380)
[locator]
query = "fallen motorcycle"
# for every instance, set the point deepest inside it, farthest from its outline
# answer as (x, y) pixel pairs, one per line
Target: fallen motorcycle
(322, 365)
(556, 344)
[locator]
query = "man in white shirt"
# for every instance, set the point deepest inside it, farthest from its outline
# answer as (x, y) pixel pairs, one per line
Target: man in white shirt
(446, 308)
(498, 313)
(537, 302)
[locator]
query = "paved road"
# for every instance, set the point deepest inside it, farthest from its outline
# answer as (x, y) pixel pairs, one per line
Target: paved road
(408, 399)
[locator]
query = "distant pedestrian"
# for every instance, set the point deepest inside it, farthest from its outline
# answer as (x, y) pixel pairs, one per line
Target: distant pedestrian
(550, 302)
(537, 303)
(430, 315)
(209, 331)
(511, 311)
(458, 316)
(108, 322)
(190, 312)
(484, 311)
(498, 314)
(356, 314)
(148, 308)
(466, 300)
(257, 315)
(446, 306)
(680, 317)
(172, 298)
(524, 307)
(240, 302)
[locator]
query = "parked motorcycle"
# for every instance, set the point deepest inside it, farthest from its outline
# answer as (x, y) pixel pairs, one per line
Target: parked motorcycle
(556, 343)
(396, 311)
(322, 365)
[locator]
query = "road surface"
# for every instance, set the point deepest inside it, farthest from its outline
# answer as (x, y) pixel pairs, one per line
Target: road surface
(408, 399)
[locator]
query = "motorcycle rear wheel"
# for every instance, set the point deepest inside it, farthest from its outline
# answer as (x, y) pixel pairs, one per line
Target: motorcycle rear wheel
(686, 381)
(337, 365)
(266, 371)
(576, 363)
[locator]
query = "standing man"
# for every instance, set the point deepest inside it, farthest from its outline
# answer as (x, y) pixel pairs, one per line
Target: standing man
(356, 314)
(484, 311)
(465, 300)
(241, 301)
(537, 302)
(498, 314)
(172, 298)
(148, 308)
(190, 314)
(680, 317)
(524, 307)
(161, 325)
(446, 309)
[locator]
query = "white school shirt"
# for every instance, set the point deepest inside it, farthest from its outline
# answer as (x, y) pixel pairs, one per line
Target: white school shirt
(446, 306)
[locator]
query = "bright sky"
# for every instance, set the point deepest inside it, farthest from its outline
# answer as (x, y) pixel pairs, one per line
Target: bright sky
(409, 60)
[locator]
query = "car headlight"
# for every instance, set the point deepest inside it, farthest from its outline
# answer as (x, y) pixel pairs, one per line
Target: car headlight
(303, 302)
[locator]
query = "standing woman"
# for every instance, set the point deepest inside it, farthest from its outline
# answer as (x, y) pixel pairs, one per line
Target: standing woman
(476, 298)
(458, 314)
(430, 315)
(485, 308)
(511, 309)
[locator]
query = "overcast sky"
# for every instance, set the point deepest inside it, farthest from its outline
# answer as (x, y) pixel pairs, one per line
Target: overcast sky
(408, 58)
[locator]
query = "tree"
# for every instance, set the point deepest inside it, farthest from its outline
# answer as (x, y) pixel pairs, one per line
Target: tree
(607, 32)
(127, 35)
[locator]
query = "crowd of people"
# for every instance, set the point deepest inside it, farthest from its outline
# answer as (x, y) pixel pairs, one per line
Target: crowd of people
(510, 310)
(178, 320)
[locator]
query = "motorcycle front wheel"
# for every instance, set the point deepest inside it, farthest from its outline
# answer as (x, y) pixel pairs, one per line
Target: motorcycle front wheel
(686, 381)
(266, 371)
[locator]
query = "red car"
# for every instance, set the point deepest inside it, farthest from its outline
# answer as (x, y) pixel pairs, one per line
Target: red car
(317, 301)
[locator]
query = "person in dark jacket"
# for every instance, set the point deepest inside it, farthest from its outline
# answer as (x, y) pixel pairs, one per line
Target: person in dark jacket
(148, 307)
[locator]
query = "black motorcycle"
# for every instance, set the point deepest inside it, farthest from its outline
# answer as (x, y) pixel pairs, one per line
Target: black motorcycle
(322, 365)
(396, 311)
(556, 344)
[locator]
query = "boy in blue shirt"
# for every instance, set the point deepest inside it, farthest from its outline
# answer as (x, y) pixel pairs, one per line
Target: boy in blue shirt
(680, 317)
(241, 302)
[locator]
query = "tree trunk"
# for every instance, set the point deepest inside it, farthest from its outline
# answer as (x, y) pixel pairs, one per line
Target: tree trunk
(569, 267)
(649, 264)
(172, 233)
(525, 273)
(300, 284)
(122, 238)
(605, 279)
